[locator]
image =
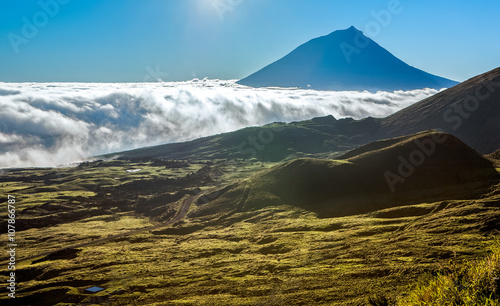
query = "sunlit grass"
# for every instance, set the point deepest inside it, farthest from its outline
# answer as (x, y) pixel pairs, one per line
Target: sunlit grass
(275, 255)
(472, 282)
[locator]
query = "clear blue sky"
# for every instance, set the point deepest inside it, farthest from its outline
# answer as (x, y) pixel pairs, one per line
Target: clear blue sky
(121, 40)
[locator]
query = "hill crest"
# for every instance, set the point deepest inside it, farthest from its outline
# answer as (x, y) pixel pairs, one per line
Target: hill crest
(400, 171)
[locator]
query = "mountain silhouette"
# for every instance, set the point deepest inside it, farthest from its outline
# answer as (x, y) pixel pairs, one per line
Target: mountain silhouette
(344, 60)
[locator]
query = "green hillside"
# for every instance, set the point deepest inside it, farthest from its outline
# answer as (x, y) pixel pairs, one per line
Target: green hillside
(274, 142)
(304, 232)
(379, 175)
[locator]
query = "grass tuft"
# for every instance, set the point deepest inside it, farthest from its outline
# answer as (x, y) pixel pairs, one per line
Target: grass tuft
(469, 283)
(379, 300)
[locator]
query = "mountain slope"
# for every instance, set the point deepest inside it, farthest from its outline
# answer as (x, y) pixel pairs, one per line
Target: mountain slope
(344, 60)
(494, 155)
(277, 255)
(391, 173)
(272, 142)
(470, 111)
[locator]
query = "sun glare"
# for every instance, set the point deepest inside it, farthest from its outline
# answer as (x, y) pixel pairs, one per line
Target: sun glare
(218, 9)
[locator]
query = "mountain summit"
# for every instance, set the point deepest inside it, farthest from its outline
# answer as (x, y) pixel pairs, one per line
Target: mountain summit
(344, 60)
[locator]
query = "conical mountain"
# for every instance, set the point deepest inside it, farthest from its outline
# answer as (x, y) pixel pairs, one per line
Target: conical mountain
(344, 60)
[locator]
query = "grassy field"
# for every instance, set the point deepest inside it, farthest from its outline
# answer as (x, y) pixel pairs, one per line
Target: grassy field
(471, 283)
(275, 255)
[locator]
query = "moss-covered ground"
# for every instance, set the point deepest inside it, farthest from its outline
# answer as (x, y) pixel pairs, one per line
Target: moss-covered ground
(276, 255)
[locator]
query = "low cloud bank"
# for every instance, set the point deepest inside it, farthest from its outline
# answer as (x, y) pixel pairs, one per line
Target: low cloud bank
(50, 124)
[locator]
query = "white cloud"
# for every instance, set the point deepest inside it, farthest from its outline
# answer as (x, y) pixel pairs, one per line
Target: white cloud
(47, 124)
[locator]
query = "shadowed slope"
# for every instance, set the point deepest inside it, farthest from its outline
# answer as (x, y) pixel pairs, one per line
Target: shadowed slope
(494, 155)
(470, 111)
(389, 173)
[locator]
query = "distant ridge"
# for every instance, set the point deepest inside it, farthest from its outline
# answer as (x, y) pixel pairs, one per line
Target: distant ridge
(470, 111)
(344, 60)
(328, 137)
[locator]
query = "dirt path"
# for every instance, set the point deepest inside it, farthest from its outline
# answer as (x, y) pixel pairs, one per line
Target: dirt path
(181, 213)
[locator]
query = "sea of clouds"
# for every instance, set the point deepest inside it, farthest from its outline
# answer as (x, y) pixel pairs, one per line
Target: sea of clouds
(51, 124)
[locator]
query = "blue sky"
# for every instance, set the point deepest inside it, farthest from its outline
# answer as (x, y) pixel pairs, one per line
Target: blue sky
(137, 40)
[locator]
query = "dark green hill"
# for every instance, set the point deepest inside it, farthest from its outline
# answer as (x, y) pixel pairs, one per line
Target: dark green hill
(428, 165)
(272, 142)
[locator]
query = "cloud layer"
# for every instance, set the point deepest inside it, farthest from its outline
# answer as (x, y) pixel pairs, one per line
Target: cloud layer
(49, 124)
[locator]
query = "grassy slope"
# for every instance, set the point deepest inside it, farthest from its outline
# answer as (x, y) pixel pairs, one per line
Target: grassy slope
(275, 255)
(318, 136)
(474, 282)
(269, 255)
(357, 184)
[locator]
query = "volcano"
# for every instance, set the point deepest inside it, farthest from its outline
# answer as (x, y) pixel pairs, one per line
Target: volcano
(344, 60)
